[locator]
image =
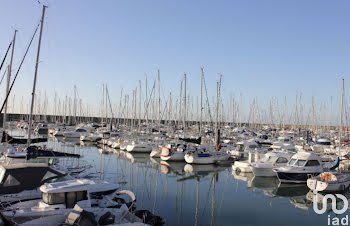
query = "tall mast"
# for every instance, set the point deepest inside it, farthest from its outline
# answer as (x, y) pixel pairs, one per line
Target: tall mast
(35, 76)
(218, 85)
(201, 114)
(159, 110)
(185, 107)
(9, 78)
(140, 105)
(341, 117)
(146, 108)
(106, 104)
(75, 104)
(180, 104)
(170, 106)
(103, 99)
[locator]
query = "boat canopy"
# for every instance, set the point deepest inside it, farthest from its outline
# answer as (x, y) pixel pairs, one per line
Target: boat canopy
(16, 178)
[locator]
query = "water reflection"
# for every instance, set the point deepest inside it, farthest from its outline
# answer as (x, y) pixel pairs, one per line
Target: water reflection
(172, 167)
(272, 188)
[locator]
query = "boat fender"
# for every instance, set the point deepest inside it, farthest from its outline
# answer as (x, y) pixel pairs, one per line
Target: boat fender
(326, 177)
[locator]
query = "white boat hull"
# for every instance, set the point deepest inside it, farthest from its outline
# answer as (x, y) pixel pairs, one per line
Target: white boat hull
(139, 148)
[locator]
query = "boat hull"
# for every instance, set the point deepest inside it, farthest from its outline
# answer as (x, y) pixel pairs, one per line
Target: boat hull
(192, 159)
(299, 178)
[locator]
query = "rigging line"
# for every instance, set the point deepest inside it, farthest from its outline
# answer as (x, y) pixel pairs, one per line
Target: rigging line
(206, 94)
(3, 61)
(19, 68)
(3, 75)
(149, 101)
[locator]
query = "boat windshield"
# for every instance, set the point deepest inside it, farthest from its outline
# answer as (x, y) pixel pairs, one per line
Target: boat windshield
(272, 159)
(268, 158)
(300, 163)
(292, 161)
(60, 179)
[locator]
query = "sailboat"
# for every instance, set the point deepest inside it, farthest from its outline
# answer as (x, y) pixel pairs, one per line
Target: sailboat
(332, 181)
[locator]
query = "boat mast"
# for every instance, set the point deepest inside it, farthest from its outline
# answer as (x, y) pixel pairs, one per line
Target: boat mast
(201, 114)
(9, 78)
(146, 102)
(341, 117)
(140, 91)
(75, 105)
(106, 107)
(35, 76)
(169, 111)
(159, 110)
(180, 104)
(103, 99)
(185, 103)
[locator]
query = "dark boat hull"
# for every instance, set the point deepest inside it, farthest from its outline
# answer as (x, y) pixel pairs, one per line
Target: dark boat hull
(299, 178)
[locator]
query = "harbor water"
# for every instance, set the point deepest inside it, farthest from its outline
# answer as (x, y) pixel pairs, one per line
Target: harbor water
(185, 194)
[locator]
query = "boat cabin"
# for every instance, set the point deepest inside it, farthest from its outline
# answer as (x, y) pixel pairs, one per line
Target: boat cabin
(305, 159)
(67, 193)
(276, 157)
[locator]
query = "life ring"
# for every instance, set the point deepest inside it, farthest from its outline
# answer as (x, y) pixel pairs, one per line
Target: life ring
(169, 152)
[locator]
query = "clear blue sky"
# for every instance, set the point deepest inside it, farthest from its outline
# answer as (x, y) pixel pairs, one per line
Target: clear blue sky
(263, 48)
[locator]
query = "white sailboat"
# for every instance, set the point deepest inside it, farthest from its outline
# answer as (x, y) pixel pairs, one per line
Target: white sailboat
(205, 155)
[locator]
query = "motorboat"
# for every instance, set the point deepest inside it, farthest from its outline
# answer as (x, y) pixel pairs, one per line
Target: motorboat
(245, 165)
(243, 148)
(78, 132)
(321, 145)
(263, 168)
(300, 167)
(59, 198)
(21, 181)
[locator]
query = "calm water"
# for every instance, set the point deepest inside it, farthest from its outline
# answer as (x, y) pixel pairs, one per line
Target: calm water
(196, 194)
